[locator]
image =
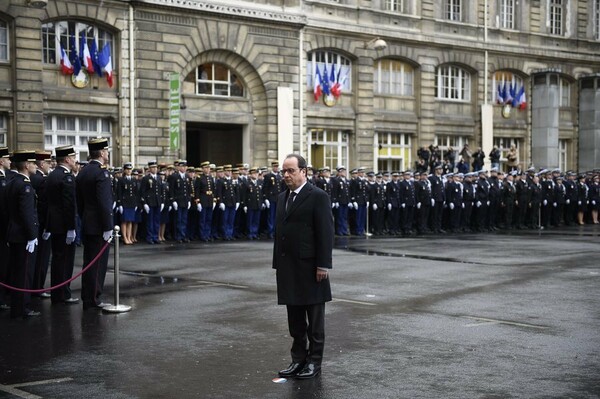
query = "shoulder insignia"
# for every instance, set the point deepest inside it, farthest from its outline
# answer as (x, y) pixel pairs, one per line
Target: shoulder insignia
(65, 171)
(27, 189)
(26, 180)
(69, 179)
(106, 174)
(103, 166)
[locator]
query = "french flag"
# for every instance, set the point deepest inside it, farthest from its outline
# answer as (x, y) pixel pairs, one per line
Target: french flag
(507, 93)
(325, 82)
(105, 62)
(499, 95)
(317, 90)
(65, 63)
(336, 87)
(522, 100)
(85, 54)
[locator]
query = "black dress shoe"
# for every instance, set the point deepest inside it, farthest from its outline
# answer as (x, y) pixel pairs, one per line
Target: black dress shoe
(309, 371)
(292, 370)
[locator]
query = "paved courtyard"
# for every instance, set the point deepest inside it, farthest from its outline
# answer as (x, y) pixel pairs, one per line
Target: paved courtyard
(466, 316)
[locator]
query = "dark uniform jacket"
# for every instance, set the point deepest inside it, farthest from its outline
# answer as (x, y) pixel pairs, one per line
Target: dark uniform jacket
(253, 196)
(272, 186)
(560, 194)
(62, 206)
(325, 186)
(482, 192)
(377, 195)
(228, 191)
(340, 192)
(392, 193)
(22, 212)
(359, 192)
(509, 194)
(38, 182)
(151, 191)
(423, 193)
(205, 190)
(3, 203)
(94, 198)
(408, 193)
(179, 190)
(454, 194)
(127, 192)
(437, 188)
(303, 242)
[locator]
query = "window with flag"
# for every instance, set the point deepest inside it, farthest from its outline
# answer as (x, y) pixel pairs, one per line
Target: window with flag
(3, 41)
(392, 151)
(77, 45)
(328, 147)
(62, 130)
(453, 83)
(393, 77)
(398, 6)
(556, 16)
(508, 88)
(3, 130)
(333, 70)
(507, 14)
(453, 10)
(218, 80)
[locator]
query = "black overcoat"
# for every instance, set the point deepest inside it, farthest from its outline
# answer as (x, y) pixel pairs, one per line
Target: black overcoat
(303, 242)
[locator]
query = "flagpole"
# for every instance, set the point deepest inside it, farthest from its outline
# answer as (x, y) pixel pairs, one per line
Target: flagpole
(131, 90)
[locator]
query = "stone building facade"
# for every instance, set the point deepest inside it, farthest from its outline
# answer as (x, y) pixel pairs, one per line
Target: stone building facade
(247, 72)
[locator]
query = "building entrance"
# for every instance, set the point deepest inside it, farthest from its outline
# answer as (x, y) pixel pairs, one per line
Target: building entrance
(218, 143)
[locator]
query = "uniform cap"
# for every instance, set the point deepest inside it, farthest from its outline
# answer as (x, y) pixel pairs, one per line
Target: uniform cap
(98, 144)
(182, 162)
(340, 167)
(190, 169)
(386, 173)
(152, 163)
(42, 155)
(253, 170)
(408, 173)
(4, 152)
(494, 169)
(395, 173)
(65, 151)
(219, 168)
(531, 170)
(128, 165)
(481, 171)
(198, 169)
(235, 170)
(23, 156)
(370, 174)
(275, 163)
(205, 163)
(161, 173)
(379, 174)
(227, 167)
(438, 166)
(459, 175)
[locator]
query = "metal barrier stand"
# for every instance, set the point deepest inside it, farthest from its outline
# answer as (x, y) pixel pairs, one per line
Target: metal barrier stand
(116, 308)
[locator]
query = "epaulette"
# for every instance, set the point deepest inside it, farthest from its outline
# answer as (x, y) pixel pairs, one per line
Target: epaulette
(65, 171)
(26, 180)
(103, 166)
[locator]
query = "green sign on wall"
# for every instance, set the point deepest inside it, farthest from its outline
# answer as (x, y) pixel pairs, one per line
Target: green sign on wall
(174, 111)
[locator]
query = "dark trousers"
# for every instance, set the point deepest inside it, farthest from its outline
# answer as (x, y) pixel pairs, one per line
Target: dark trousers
(465, 215)
(152, 224)
(42, 261)
(4, 275)
(361, 219)
(21, 268)
(407, 218)
(341, 220)
(206, 223)
(307, 326)
(228, 222)
(253, 221)
(181, 215)
(271, 212)
(92, 282)
(423, 216)
(436, 216)
(63, 260)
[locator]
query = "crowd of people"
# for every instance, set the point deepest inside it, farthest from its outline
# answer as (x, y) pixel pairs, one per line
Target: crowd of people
(181, 203)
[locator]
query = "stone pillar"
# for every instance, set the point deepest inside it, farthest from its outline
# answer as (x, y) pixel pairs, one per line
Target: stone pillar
(544, 120)
(589, 123)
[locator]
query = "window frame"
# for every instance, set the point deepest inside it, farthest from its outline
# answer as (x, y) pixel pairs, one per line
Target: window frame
(327, 58)
(444, 141)
(330, 140)
(596, 19)
(212, 82)
(563, 153)
(453, 10)
(557, 17)
(461, 79)
(397, 6)
(504, 143)
(382, 140)
(55, 135)
(400, 88)
(5, 26)
(507, 14)
(3, 130)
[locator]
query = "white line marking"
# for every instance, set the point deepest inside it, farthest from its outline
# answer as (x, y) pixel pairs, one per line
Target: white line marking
(216, 283)
(510, 323)
(13, 389)
(481, 324)
(42, 382)
(355, 302)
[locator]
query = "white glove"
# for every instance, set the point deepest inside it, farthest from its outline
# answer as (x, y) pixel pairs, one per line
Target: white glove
(245, 209)
(488, 203)
(45, 235)
(355, 205)
(478, 204)
(367, 205)
(263, 206)
(333, 205)
(337, 205)
(389, 207)
(452, 205)
(147, 208)
(222, 206)
(350, 206)
(568, 201)
(545, 202)
(114, 204)
(175, 206)
(70, 237)
(593, 202)
(162, 206)
(463, 205)
(237, 205)
(135, 209)
(170, 207)
(199, 207)
(554, 204)
(106, 235)
(120, 209)
(418, 205)
(31, 245)
(189, 205)
(267, 204)
(432, 202)
(374, 207)
(214, 205)
(578, 202)
(403, 205)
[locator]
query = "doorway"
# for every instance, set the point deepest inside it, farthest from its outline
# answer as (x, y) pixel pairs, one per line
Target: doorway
(218, 143)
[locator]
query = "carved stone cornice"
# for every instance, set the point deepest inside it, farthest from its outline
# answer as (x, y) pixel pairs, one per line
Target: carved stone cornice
(240, 11)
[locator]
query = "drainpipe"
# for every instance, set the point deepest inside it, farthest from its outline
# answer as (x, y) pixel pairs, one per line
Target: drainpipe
(131, 90)
(301, 91)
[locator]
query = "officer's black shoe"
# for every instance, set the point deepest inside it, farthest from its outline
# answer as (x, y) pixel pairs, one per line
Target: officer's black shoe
(309, 371)
(292, 370)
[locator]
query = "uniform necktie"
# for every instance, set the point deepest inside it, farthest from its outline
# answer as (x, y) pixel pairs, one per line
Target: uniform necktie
(290, 200)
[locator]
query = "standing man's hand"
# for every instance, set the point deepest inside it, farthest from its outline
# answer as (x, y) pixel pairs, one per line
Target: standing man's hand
(321, 274)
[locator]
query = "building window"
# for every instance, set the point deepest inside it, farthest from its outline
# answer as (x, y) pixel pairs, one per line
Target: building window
(3, 130)
(392, 151)
(328, 148)
(218, 80)
(504, 144)
(563, 154)
(62, 130)
(556, 16)
(596, 19)
(328, 61)
(505, 85)
(393, 77)
(3, 41)
(453, 10)
(395, 6)
(564, 93)
(453, 83)
(447, 144)
(56, 34)
(507, 14)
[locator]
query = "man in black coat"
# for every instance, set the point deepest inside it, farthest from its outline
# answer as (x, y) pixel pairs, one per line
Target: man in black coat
(61, 222)
(4, 179)
(94, 205)
(302, 256)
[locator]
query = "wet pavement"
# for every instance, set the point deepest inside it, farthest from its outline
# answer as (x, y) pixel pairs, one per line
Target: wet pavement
(468, 316)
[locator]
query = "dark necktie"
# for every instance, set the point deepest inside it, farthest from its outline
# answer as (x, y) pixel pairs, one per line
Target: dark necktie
(290, 200)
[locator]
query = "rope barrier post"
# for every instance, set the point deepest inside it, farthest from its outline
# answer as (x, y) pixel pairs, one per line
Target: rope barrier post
(116, 308)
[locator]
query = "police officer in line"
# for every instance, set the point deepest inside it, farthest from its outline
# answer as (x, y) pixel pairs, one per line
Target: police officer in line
(407, 203)
(94, 205)
(424, 202)
(253, 200)
(22, 232)
(61, 223)
(166, 209)
(438, 199)
(229, 197)
(392, 199)
(340, 195)
(179, 192)
(38, 182)
(377, 202)
(359, 200)
(151, 200)
(206, 197)
(5, 172)
(127, 196)
(272, 186)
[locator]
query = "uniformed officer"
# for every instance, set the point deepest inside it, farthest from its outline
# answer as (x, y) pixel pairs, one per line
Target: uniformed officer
(424, 202)
(359, 199)
(482, 200)
(522, 201)
(254, 201)
(44, 248)
(151, 199)
(438, 199)
(207, 199)
(179, 192)
(392, 199)
(454, 200)
(166, 209)
(559, 200)
(341, 197)
(570, 198)
(228, 193)
(22, 232)
(61, 223)
(495, 194)
(94, 205)
(582, 198)
(4, 172)
(127, 197)
(468, 200)
(408, 201)
(324, 182)
(272, 186)
(377, 202)
(509, 197)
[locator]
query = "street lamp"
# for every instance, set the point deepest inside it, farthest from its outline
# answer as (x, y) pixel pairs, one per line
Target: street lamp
(37, 3)
(376, 43)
